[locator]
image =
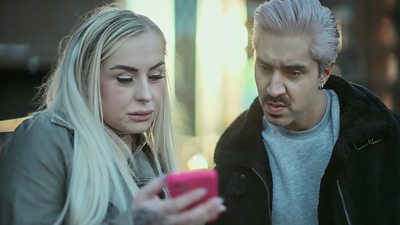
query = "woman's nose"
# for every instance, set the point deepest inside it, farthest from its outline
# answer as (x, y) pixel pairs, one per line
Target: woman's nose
(143, 91)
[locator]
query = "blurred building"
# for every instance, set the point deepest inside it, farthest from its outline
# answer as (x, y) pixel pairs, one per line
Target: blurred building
(30, 33)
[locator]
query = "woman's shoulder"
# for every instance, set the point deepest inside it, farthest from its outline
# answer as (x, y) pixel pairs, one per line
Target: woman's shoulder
(35, 166)
(46, 135)
(45, 120)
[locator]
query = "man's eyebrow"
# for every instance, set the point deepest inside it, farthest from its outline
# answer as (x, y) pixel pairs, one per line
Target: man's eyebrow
(133, 69)
(262, 62)
(291, 67)
(296, 67)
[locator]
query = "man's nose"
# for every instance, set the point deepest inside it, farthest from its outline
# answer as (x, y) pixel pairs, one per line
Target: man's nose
(276, 86)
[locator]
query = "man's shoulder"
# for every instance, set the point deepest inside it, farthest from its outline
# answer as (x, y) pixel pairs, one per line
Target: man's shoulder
(241, 141)
(362, 112)
(351, 94)
(247, 122)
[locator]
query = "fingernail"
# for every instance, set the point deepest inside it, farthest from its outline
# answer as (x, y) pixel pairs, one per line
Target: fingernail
(220, 200)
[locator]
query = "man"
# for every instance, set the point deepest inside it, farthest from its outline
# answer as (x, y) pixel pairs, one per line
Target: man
(313, 148)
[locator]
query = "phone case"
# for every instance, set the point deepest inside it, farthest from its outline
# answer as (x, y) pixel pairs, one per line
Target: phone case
(181, 182)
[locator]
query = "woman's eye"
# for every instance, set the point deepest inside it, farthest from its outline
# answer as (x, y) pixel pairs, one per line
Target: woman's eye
(156, 77)
(124, 79)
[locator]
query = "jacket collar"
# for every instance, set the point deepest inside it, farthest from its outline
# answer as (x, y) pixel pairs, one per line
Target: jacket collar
(363, 116)
(60, 118)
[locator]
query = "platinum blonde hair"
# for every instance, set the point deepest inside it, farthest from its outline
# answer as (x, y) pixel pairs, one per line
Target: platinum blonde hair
(300, 17)
(100, 171)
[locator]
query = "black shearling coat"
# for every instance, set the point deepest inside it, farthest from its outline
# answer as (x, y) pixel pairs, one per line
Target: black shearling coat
(360, 186)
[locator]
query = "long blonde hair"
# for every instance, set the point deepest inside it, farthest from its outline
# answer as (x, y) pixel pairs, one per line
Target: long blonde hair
(100, 171)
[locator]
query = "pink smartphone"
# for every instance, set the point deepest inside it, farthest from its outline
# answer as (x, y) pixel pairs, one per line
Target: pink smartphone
(181, 182)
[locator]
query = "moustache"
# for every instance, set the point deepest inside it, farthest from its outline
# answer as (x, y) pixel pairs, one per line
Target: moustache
(280, 98)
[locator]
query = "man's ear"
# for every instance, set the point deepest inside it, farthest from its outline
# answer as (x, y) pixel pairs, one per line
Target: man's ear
(327, 72)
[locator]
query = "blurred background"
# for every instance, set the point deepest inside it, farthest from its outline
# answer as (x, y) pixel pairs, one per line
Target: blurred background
(210, 60)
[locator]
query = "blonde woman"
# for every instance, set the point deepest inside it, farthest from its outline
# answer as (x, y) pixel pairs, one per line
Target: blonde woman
(104, 132)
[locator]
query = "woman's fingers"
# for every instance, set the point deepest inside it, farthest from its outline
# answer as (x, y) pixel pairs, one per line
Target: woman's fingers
(175, 211)
(181, 202)
(149, 191)
(199, 214)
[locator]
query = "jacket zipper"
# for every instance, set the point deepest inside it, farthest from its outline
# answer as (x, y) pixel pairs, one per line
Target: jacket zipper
(343, 202)
(266, 187)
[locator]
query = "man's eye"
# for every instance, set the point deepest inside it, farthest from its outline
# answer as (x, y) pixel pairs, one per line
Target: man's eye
(156, 77)
(295, 73)
(124, 79)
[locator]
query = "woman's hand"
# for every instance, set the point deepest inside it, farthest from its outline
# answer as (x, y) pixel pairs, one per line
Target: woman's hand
(149, 209)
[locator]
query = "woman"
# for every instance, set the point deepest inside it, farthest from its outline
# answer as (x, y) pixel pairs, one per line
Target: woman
(105, 131)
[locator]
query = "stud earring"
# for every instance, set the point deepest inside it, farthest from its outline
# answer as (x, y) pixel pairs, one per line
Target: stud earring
(321, 86)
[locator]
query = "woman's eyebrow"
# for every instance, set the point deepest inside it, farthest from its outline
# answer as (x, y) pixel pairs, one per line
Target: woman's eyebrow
(124, 67)
(157, 65)
(133, 69)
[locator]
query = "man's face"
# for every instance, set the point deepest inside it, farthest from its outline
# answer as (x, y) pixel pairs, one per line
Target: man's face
(287, 81)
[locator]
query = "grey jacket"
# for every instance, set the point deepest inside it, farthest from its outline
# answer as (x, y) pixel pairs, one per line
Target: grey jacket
(35, 168)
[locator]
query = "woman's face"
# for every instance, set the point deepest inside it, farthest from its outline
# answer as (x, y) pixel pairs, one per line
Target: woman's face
(132, 84)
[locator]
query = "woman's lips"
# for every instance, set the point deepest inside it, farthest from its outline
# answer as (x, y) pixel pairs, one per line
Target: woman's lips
(141, 116)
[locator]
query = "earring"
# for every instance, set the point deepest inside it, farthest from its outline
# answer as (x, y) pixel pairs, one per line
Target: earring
(321, 86)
